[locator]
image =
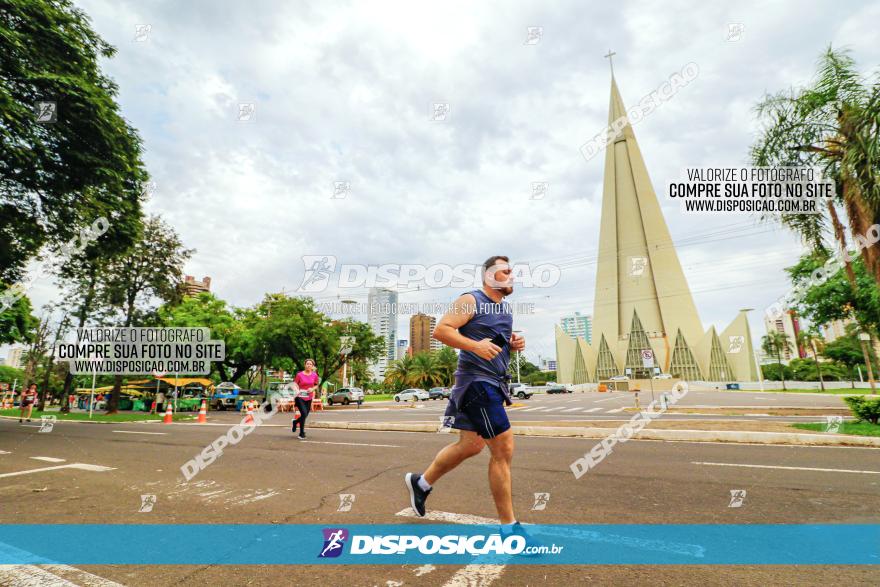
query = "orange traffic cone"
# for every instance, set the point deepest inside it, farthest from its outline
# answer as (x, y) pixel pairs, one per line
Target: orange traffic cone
(249, 419)
(168, 418)
(203, 413)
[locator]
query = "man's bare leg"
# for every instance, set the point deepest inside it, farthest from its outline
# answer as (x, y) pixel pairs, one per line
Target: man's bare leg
(499, 475)
(469, 444)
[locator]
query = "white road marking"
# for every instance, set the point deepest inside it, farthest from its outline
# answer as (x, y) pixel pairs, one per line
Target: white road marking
(448, 517)
(574, 409)
(607, 399)
(31, 576)
(80, 466)
(532, 409)
(350, 443)
(469, 575)
(49, 459)
(475, 576)
(591, 410)
(616, 410)
(786, 468)
(5, 452)
(83, 578)
(139, 432)
(51, 575)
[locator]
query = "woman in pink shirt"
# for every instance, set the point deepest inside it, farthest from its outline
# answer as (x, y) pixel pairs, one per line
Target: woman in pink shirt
(305, 383)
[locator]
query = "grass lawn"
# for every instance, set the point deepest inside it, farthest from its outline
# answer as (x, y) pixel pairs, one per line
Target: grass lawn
(840, 391)
(99, 416)
(857, 428)
(378, 397)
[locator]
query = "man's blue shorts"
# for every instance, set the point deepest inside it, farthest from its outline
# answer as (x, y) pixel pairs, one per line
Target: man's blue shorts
(481, 410)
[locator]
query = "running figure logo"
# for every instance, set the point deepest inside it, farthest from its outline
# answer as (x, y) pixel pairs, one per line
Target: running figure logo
(317, 271)
(346, 500)
(47, 423)
(147, 503)
(737, 497)
(541, 500)
(334, 541)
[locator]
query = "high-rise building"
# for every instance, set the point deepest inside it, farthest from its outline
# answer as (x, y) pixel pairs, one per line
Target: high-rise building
(192, 287)
(548, 365)
(577, 325)
(643, 305)
(788, 324)
(420, 328)
(382, 318)
(402, 346)
(13, 357)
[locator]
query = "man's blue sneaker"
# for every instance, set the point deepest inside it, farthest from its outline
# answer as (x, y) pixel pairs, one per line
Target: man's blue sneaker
(417, 495)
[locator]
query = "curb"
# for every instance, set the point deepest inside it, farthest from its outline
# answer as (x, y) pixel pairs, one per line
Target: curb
(785, 438)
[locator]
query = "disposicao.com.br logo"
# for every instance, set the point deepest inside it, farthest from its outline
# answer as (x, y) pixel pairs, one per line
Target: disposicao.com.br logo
(320, 269)
(451, 544)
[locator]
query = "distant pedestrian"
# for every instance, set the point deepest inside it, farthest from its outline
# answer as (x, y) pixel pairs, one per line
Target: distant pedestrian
(305, 383)
(26, 402)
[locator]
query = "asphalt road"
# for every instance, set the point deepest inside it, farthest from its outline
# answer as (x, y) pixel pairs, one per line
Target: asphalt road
(593, 406)
(270, 477)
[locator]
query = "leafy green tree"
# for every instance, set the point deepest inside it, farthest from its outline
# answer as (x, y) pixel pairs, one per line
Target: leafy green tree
(774, 372)
(81, 276)
(67, 156)
(833, 124)
(151, 269)
(447, 363)
(236, 327)
(833, 298)
(426, 371)
(17, 323)
(775, 344)
(291, 328)
(399, 373)
(846, 350)
(813, 341)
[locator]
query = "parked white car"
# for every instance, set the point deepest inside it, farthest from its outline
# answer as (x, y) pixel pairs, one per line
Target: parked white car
(663, 376)
(408, 395)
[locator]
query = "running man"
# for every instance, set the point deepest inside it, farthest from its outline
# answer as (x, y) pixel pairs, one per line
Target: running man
(476, 404)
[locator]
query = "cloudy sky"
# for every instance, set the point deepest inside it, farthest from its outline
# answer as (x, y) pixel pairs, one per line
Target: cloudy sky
(344, 92)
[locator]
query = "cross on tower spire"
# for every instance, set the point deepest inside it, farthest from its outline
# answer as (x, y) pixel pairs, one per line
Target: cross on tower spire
(608, 56)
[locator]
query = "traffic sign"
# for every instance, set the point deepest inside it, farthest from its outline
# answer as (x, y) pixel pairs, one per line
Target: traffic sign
(647, 358)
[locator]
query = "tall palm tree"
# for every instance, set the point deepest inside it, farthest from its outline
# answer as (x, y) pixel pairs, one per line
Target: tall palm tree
(399, 373)
(775, 344)
(834, 125)
(447, 361)
(813, 340)
(426, 371)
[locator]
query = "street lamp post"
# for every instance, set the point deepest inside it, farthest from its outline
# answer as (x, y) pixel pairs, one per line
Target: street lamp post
(754, 352)
(518, 358)
(345, 354)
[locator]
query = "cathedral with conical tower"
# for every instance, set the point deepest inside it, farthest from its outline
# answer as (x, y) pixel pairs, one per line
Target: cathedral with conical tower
(642, 299)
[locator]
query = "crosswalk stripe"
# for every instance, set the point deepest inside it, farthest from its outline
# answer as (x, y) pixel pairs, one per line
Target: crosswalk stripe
(616, 410)
(591, 410)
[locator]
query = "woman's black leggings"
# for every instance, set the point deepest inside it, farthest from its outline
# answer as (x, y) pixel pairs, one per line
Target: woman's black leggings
(304, 405)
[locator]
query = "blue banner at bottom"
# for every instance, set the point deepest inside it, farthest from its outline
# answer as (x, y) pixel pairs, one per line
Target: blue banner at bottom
(359, 544)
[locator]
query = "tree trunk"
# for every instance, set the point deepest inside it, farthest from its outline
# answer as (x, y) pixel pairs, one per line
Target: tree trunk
(781, 370)
(851, 277)
(818, 368)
